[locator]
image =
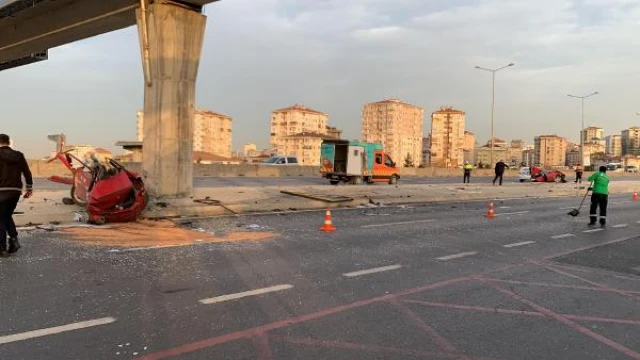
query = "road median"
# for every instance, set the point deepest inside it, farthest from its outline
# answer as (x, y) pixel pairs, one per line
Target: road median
(47, 207)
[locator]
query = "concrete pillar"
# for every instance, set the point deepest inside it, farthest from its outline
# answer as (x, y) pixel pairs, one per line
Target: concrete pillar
(175, 35)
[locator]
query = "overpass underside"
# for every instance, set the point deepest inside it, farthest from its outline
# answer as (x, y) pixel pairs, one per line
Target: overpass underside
(171, 36)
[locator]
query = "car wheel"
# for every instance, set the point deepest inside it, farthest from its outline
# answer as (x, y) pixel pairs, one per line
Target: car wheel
(393, 180)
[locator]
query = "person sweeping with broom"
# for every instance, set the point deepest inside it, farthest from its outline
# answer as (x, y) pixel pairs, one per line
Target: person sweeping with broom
(599, 197)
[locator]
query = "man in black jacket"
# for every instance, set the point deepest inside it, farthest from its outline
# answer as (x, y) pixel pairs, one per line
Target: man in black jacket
(13, 166)
(500, 166)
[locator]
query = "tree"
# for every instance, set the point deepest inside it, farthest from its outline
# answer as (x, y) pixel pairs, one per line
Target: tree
(408, 161)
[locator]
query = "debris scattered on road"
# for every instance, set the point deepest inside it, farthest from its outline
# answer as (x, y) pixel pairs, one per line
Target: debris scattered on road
(148, 233)
(80, 217)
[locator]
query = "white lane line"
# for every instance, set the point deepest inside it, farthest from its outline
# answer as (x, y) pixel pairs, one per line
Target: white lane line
(567, 208)
(397, 223)
(519, 244)
(504, 207)
(372, 271)
(55, 330)
(592, 231)
(620, 226)
(219, 299)
(562, 236)
(457, 256)
(514, 213)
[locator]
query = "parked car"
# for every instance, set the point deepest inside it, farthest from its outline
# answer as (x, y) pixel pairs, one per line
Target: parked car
(524, 174)
(631, 169)
(281, 160)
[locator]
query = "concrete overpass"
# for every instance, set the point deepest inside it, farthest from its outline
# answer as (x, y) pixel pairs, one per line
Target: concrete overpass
(171, 35)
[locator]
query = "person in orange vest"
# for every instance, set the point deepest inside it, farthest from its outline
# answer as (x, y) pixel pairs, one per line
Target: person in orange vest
(579, 171)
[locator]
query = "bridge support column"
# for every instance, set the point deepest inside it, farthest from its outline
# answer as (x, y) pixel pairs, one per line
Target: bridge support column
(172, 54)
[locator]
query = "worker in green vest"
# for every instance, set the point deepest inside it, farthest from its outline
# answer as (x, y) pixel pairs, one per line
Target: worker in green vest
(599, 196)
(467, 172)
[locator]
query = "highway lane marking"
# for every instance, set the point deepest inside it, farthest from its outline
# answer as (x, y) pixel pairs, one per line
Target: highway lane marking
(55, 330)
(567, 208)
(620, 226)
(219, 299)
(519, 244)
(397, 223)
(592, 231)
(504, 207)
(372, 271)
(562, 236)
(514, 213)
(457, 256)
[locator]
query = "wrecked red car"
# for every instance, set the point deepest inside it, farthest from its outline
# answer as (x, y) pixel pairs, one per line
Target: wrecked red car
(539, 174)
(109, 192)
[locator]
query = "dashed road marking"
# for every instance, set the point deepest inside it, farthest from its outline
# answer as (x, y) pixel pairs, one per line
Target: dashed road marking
(514, 213)
(593, 230)
(620, 226)
(457, 256)
(372, 271)
(55, 330)
(519, 244)
(504, 207)
(219, 299)
(567, 208)
(397, 223)
(562, 236)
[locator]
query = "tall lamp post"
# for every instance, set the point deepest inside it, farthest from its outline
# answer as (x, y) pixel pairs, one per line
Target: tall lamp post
(582, 128)
(493, 100)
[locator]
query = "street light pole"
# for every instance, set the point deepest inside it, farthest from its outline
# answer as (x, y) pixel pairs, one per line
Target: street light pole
(493, 101)
(582, 129)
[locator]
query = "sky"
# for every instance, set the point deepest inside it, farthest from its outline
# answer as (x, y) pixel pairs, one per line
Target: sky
(336, 55)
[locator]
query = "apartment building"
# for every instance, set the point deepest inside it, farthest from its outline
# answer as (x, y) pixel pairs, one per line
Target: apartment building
(550, 151)
(469, 147)
(249, 150)
(298, 131)
(593, 135)
(212, 132)
(631, 141)
(613, 146)
(447, 137)
(511, 153)
(396, 125)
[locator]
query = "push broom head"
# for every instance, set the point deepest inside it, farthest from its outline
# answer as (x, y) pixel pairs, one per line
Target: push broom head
(574, 212)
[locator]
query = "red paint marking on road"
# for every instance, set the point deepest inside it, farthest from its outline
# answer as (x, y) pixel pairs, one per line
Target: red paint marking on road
(596, 284)
(440, 340)
(601, 319)
(563, 319)
(374, 348)
(588, 247)
(572, 268)
(602, 272)
(574, 287)
(474, 308)
(263, 350)
(249, 333)
(523, 312)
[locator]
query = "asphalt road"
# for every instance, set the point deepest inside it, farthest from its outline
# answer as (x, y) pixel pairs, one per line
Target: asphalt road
(425, 282)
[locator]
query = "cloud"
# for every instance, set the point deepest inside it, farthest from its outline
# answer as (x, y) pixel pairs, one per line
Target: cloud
(336, 55)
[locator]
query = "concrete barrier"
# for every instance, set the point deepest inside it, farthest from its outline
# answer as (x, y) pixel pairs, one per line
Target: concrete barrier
(42, 169)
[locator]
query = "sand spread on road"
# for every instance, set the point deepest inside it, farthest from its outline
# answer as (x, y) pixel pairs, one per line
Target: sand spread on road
(156, 233)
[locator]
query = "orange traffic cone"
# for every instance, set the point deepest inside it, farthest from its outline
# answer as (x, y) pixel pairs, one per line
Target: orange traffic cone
(490, 213)
(635, 195)
(328, 224)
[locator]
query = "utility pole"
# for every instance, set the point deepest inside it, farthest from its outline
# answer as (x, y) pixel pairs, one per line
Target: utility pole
(493, 101)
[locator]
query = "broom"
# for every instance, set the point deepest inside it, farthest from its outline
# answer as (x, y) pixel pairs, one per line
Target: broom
(576, 212)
